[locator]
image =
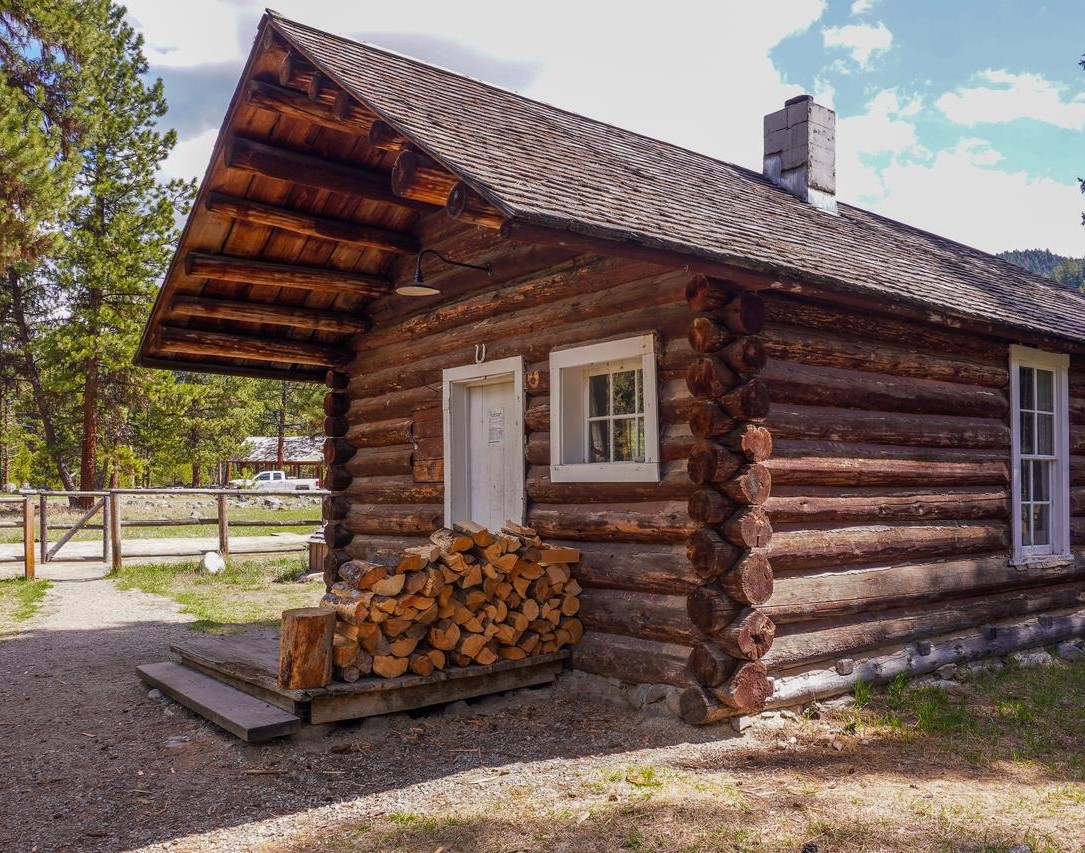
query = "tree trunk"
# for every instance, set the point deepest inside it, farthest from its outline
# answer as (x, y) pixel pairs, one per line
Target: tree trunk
(41, 402)
(281, 423)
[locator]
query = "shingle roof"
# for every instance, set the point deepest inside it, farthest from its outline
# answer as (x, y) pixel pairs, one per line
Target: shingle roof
(546, 166)
(296, 448)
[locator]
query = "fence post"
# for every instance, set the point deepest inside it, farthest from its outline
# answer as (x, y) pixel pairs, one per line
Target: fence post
(224, 527)
(28, 537)
(106, 530)
(42, 505)
(116, 557)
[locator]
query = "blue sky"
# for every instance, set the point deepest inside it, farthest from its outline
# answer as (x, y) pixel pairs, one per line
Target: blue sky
(964, 117)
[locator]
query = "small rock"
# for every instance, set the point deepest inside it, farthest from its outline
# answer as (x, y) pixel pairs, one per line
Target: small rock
(673, 700)
(1031, 658)
(212, 562)
(1021, 848)
(845, 701)
(947, 671)
(640, 695)
(979, 667)
(458, 709)
(312, 577)
(154, 693)
(1070, 651)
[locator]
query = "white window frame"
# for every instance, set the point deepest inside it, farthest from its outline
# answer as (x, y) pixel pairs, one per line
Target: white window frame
(572, 365)
(1058, 364)
(454, 384)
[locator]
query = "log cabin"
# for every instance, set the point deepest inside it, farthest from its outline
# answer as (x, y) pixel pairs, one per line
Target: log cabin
(797, 443)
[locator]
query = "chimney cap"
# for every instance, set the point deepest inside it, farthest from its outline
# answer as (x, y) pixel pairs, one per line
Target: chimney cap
(798, 99)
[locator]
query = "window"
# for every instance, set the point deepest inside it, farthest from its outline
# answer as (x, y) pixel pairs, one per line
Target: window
(603, 425)
(1038, 386)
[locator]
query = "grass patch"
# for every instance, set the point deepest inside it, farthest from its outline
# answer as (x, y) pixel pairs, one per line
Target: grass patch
(1026, 717)
(19, 600)
(250, 591)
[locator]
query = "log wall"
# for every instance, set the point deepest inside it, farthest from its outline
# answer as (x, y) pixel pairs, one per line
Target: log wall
(385, 448)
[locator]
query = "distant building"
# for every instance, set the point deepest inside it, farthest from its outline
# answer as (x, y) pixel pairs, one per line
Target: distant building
(302, 456)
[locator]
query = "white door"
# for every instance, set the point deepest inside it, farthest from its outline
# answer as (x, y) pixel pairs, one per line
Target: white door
(484, 443)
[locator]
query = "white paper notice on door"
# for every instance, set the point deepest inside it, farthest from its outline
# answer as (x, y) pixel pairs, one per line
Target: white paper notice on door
(496, 422)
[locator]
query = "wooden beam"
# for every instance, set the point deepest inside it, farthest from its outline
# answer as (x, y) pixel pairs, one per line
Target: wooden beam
(211, 308)
(230, 369)
(292, 167)
(465, 205)
(420, 177)
(386, 138)
(316, 279)
(293, 104)
(311, 225)
(173, 340)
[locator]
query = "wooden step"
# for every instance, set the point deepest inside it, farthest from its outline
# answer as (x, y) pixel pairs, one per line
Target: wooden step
(249, 718)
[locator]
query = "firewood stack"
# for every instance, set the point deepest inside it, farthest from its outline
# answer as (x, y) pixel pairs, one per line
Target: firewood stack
(728, 551)
(471, 597)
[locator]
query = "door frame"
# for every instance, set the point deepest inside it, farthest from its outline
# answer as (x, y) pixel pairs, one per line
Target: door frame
(454, 382)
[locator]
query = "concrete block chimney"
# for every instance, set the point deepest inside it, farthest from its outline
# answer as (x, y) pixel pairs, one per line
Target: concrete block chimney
(800, 151)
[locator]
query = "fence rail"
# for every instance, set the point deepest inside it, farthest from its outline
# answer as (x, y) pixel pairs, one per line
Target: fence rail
(35, 506)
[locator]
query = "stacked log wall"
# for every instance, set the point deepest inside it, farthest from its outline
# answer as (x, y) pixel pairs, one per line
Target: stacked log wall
(891, 486)
(385, 447)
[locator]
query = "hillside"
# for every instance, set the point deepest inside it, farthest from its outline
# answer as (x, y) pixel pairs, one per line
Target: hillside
(1069, 272)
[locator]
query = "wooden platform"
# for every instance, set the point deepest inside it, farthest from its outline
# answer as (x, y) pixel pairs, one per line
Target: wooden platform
(248, 663)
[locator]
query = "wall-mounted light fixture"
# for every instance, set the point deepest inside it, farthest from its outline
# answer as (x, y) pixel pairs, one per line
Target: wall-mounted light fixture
(418, 287)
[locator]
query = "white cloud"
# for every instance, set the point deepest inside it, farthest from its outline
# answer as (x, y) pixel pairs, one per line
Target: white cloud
(861, 7)
(862, 41)
(958, 194)
(190, 157)
(1014, 96)
(186, 34)
(880, 130)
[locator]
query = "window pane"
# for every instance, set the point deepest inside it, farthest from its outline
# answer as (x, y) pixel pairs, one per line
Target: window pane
(1028, 432)
(1026, 480)
(599, 441)
(1028, 390)
(1041, 481)
(1026, 533)
(599, 395)
(625, 392)
(625, 440)
(640, 440)
(1045, 434)
(1045, 391)
(640, 393)
(1041, 524)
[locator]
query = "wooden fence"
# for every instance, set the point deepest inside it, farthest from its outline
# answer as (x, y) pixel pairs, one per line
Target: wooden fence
(35, 508)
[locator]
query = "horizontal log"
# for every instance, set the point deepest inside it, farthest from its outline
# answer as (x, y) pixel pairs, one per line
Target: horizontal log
(837, 592)
(393, 404)
(710, 611)
(809, 423)
(749, 636)
(801, 463)
(417, 176)
(710, 665)
(711, 463)
(674, 484)
(350, 234)
(650, 521)
(294, 276)
(750, 401)
(706, 334)
(175, 341)
(632, 659)
(380, 461)
(380, 433)
(844, 506)
(709, 554)
(646, 615)
(335, 404)
(383, 550)
(751, 486)
(952, 648)
(749, 580)
(288, 102)
(335, 426)
(385, 137)
(791, 383)
(877, 328)
(745, 691)
(465, 205)
(709, 507)
(337, 451)
(788, 343)
(210, 308)
(708, 378)
(749, 527)
(401, 489)
(292, 167)
(633, 566)
(394, 519)
(815, 641)
(337, 479)
(811, 548)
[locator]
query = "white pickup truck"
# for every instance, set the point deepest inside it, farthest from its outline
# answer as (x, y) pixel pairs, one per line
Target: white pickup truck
(275, 481)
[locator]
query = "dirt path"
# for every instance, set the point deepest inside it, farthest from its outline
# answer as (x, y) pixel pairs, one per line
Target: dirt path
(90, 761)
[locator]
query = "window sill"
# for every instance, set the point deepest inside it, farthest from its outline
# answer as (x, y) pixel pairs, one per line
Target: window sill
(1044, 561)
(606, 472)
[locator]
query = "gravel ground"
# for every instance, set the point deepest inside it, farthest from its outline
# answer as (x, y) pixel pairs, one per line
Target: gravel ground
(92, 761)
